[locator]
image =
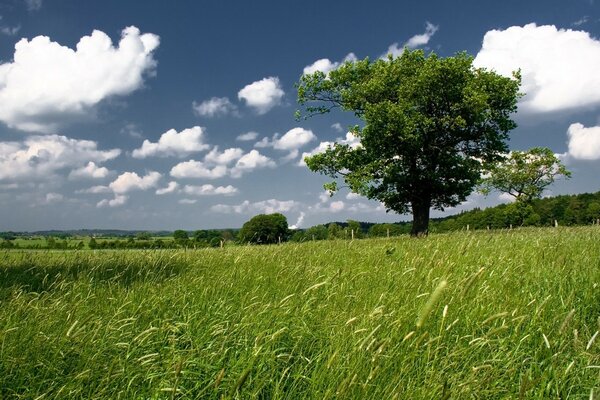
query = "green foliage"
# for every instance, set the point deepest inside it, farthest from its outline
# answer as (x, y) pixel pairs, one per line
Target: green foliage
(525, 174)
(334, 231)
(431, 126)
(143, 236)
(354, 228)
(265, 229)
(316, 320)
(180, 235)
(581, 209)
(383, 230)
(317, 232)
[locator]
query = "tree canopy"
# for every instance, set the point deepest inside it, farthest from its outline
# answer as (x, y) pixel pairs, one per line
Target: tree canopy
(525, 174)
(265, 229)
(430, 126)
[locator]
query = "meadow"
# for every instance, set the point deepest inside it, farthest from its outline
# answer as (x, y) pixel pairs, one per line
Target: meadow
(466, 315)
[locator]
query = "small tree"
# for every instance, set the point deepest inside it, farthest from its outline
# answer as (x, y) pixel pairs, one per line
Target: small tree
(265, 229)
(525, 175)
(431, 125)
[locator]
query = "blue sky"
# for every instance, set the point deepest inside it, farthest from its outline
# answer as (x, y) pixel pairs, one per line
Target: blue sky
(168, 115)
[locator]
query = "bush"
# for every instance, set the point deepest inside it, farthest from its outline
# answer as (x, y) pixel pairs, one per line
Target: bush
(265, 229)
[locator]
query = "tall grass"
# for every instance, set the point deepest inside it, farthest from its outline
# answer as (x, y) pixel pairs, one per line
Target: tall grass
(486, 315)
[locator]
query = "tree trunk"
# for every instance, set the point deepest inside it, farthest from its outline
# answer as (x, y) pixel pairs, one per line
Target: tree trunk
(420, 225)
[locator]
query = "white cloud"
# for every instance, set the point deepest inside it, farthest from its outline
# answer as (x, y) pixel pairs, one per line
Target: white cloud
(223, 158)
(265, 142)
(336, 206)
(291, 141)
(197, 169)
(209, 190)
(173, 143)
(251, 161)
(91, 170)
(171, 187)
(294, 139)
(47, 82)
(266, 207)
(119, 200)
(187, 201)
(353, 196)
(94, 190)
(33, 5)
(53, 198)
(366, 208)
(415, 41)
(38, 157)
(215, 164)
(262, 95)
(247, 137)
(325, 65)
(337, 127)
(213, 107)
(350, 140)
(584, 143)
(559, 67)
(129, 181)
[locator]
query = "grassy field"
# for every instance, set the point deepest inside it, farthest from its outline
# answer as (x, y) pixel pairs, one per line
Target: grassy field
(481, 315)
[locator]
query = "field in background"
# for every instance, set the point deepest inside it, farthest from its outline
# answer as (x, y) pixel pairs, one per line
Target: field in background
(488, 315)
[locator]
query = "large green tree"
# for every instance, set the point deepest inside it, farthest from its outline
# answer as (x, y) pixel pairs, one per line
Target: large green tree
(430, 126)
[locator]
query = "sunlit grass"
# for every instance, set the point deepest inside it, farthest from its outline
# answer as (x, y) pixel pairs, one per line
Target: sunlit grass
(489, 315)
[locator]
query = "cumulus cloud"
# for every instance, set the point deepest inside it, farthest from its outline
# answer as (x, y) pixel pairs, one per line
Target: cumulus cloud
(415, 41)
(584, 143)
(173, 143)
(251, 161)
(559, 67)
(117, 201)
(38, 157)
(265, 207)
(291, 141)
(351, 140)
(247, 137)
(94, 190)
(262, 95)
(353, 196)
(89, 171)
(214, 107)
(47, 82)
(325, 65)
(129, 181)
(197, 169)
(209, 190)
(294, 139)
(223, 158)
(171, 187)
(215, 164)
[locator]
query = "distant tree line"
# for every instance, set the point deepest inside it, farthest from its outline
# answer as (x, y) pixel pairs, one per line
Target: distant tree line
(565, 210)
